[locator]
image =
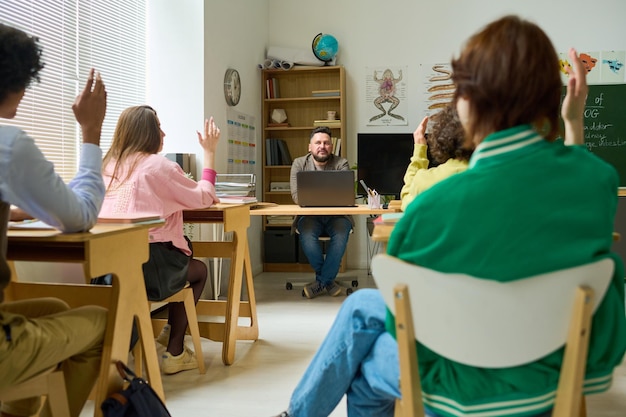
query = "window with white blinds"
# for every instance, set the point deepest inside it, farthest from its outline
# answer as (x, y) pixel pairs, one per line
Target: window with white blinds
(77, 35)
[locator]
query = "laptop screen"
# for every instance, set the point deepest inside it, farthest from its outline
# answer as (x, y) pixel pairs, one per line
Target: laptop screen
(326, 188)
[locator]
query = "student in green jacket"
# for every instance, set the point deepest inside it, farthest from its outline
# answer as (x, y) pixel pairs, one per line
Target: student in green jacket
(526, 205)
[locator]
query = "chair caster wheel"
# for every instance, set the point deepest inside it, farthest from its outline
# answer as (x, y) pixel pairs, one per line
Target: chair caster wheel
(355, 283)
(289, 286)
(349, 291)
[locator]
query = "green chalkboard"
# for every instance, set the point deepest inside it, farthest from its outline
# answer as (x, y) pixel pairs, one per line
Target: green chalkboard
(605, 125)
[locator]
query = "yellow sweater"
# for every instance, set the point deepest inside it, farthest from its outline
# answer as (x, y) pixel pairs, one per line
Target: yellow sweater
(419, 177)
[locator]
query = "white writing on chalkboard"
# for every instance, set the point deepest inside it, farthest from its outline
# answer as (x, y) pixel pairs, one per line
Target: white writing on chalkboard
(597, 132)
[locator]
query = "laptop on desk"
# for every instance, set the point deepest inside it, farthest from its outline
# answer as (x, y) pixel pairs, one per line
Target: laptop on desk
(325, 188)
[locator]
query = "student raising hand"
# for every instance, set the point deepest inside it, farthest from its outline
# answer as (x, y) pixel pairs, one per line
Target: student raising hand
(574, 102)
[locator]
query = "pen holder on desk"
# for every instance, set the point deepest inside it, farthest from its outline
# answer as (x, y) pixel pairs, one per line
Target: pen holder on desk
(373, 201)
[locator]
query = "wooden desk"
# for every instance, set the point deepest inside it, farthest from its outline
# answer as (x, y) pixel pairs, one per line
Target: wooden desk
(117, 249)
(382, 232)
(236, 219)
(293, 209)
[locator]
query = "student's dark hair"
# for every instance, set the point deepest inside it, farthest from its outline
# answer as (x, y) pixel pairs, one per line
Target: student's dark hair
(320, 129)
(447, 139)
(509, 71)
(20, 60)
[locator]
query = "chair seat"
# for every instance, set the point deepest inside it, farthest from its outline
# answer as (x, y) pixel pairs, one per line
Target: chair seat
(50, 383)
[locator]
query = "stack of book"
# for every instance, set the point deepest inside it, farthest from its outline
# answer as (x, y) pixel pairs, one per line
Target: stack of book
(236, 186)
(240, 199)
(277, 152)
(327, 122)
(325, 93)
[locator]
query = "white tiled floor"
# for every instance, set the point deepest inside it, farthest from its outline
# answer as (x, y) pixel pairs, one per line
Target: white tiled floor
(265, 372)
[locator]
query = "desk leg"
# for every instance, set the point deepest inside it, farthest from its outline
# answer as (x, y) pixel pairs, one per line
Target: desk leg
(254, 325)
(126, 255)
(233, 300)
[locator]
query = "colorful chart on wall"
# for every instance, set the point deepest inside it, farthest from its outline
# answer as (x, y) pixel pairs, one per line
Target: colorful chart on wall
(241, 142)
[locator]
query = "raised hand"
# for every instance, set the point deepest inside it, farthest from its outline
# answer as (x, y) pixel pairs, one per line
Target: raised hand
(90, 107)
(574, 102)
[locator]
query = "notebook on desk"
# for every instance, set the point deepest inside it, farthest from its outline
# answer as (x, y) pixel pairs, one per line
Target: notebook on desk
(325, 188)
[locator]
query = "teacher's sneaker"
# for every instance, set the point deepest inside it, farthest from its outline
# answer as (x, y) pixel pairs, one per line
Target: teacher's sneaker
(183, 362)
(313, 290)
(333, 289)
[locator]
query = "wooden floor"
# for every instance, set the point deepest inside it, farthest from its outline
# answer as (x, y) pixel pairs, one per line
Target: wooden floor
(265, 372)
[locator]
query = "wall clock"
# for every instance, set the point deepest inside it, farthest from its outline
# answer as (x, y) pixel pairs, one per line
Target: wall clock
(232, 87)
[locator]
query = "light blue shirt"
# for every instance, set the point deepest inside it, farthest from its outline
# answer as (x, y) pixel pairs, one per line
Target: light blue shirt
(28, 180)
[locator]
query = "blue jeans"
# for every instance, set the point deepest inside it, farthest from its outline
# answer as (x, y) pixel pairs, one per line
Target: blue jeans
(357, 358)
(338, 229)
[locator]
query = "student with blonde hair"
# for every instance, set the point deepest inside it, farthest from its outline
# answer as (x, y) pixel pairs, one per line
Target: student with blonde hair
(139, 180)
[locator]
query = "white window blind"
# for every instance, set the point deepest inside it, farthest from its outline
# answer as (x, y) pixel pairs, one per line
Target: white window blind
(77, 35)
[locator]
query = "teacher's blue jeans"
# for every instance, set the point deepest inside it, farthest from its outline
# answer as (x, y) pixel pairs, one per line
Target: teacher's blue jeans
(357, 358)
(337, 228)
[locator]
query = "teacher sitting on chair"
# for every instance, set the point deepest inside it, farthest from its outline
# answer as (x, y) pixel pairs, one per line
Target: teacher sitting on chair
(310, 228)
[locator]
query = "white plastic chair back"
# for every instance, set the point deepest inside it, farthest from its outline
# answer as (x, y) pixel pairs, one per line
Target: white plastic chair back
(485, 323)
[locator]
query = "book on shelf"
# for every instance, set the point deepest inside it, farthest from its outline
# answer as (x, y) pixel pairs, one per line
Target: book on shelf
(271, 88)
(337, 146)
(279, 220)
(275, 91)
(277, 152)
(283, 150)
(325, 93)
(280, 186)
(327, 122)
(272, 156)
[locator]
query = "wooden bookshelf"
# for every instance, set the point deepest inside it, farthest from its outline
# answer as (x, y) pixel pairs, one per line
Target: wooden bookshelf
(305, 95)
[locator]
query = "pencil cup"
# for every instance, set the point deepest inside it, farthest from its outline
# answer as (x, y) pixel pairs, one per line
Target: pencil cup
(373, 201)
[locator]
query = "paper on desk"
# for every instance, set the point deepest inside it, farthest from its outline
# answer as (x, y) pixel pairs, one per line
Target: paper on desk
(31, 225)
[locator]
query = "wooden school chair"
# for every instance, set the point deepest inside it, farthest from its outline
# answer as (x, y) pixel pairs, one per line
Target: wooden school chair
(50, 384)
(185, 296)
(453, 315)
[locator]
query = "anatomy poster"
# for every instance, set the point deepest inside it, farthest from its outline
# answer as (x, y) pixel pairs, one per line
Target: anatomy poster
(438, 87)
(386, 96)
(241, 141)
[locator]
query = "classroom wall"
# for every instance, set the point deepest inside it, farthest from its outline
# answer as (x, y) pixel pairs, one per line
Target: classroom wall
(396, 33)
(191, 45)
(417, 33)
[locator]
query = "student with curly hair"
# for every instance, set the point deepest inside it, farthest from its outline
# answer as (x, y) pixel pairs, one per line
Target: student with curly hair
(446, 144)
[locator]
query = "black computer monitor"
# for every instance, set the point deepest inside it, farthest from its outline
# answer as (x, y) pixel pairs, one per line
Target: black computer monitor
(382, 161)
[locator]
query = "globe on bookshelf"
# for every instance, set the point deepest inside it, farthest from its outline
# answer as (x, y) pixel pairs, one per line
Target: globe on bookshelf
(325, 47)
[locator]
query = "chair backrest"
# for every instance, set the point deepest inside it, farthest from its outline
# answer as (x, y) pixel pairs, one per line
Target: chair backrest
(486, 323)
